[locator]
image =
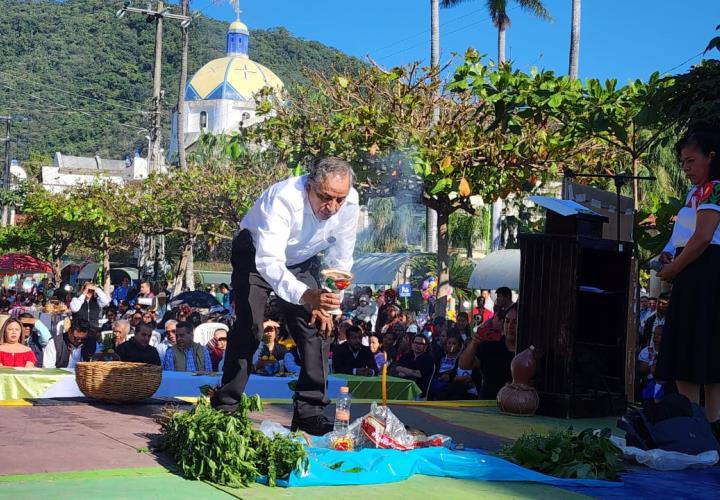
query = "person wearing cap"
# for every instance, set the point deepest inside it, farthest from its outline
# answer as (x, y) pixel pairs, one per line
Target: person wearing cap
(266, 359)
(277, 250)
(366, 311)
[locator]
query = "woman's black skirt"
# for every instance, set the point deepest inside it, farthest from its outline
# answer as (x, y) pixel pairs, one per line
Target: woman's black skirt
(690, 349)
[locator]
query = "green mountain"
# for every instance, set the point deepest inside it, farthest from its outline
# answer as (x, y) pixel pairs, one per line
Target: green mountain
(79, 80)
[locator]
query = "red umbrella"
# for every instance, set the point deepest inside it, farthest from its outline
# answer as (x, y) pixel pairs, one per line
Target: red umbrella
(16, 263)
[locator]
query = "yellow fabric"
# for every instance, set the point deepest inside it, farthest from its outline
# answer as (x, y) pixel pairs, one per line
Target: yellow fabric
(15, 402)
(21, 384)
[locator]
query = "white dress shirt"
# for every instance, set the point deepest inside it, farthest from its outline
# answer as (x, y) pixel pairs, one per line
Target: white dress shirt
(50, 355)
(77, 302)
(686, 219)
(286, 232)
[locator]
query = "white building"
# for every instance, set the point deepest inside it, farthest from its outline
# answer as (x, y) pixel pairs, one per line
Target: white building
(68, 171)
(220, 97)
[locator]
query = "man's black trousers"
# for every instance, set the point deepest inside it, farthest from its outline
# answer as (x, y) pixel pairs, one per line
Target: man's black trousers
(251, 293)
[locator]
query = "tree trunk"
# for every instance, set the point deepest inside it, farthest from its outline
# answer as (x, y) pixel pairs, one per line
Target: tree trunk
(106, 265)
(435, 33)
(497, 206)
(575, 40)
(181, 94)
(431, 217)
(186, 261)
(57, 270)
(190, 268)
(179, 280)
(443, 263)
(502, 28)
(636, 184)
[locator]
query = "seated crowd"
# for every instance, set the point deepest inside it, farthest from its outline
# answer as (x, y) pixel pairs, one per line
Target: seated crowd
(464, 359)
(136, 325)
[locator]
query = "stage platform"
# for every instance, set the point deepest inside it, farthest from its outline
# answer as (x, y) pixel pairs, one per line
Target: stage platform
(69, 448)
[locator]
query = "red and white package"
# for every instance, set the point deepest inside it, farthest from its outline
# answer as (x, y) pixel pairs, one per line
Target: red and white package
(382, 429)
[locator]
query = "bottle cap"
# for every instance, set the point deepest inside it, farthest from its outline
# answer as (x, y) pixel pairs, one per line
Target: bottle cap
(344, 389)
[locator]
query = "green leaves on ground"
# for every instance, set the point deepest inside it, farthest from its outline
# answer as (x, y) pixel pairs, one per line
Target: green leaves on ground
(562, 453)
(224, 448)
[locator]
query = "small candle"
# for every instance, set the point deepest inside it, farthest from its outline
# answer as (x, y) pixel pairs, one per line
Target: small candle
(384, 380)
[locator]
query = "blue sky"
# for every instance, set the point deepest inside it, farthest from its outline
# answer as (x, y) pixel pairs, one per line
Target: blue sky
(621, 39)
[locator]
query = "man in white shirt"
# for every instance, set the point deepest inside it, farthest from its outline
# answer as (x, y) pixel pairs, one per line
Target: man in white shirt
(67, 349)
(89, 304)
(277, 251)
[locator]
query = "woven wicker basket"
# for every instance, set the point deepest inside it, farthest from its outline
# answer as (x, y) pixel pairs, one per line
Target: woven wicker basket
(117, 381)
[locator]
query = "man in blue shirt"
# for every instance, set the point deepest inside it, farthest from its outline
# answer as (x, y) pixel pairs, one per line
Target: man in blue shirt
(121, 292)
(186, 355)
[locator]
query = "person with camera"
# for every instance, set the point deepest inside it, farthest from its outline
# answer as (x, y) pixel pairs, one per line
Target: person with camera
(89, 304)
(491, 350)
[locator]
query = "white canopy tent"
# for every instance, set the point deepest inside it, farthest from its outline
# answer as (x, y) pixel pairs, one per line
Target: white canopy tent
(380, 268)
(500, 268)
(88, 272)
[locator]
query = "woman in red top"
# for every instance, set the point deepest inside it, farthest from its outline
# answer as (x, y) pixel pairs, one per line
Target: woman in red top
(12, 352)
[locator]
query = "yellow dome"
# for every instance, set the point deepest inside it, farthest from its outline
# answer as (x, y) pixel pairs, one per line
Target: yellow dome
(238, 26)
(231, 77)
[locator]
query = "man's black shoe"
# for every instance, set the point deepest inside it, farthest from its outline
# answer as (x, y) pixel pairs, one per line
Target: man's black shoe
(317, 425)
(220, 406)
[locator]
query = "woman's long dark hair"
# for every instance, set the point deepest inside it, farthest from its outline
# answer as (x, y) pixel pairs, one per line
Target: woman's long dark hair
(707, 139)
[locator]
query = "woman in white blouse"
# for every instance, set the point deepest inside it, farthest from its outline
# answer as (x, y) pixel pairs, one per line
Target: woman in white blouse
(691, 341)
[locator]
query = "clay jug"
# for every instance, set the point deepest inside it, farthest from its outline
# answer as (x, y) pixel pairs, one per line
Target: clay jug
(523, 366)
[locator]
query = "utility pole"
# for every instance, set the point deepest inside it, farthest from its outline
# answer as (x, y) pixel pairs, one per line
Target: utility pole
(180, 116)
(157, 15)
(6, 140)
(6, 167)
(155, 130)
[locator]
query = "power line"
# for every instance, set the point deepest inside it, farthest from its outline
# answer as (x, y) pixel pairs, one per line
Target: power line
(684, 62)
(387, 56)
(87, 113)
(207, 6)
(425, 32)
(39, 83)
(18, 101)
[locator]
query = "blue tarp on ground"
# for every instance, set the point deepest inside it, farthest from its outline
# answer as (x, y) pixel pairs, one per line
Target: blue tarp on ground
(377, 466)
(641, 482)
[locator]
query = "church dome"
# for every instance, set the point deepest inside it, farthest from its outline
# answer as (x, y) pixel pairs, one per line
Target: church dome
(234, 76)
(239, 27)
(231, 77)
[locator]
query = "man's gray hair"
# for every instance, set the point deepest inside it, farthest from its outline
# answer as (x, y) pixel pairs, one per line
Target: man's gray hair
(122, 323)
(170, 322)
(327, 166)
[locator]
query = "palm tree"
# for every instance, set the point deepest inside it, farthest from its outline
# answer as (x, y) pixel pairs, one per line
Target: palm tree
(430, 214)
(575, 40)
(498, 14)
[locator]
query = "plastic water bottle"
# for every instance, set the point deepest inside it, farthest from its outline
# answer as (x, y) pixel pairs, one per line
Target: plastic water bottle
(342, 411)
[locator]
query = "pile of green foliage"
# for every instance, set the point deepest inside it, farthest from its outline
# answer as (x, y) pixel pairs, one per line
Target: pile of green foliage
(224, 448)
(562, 453)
